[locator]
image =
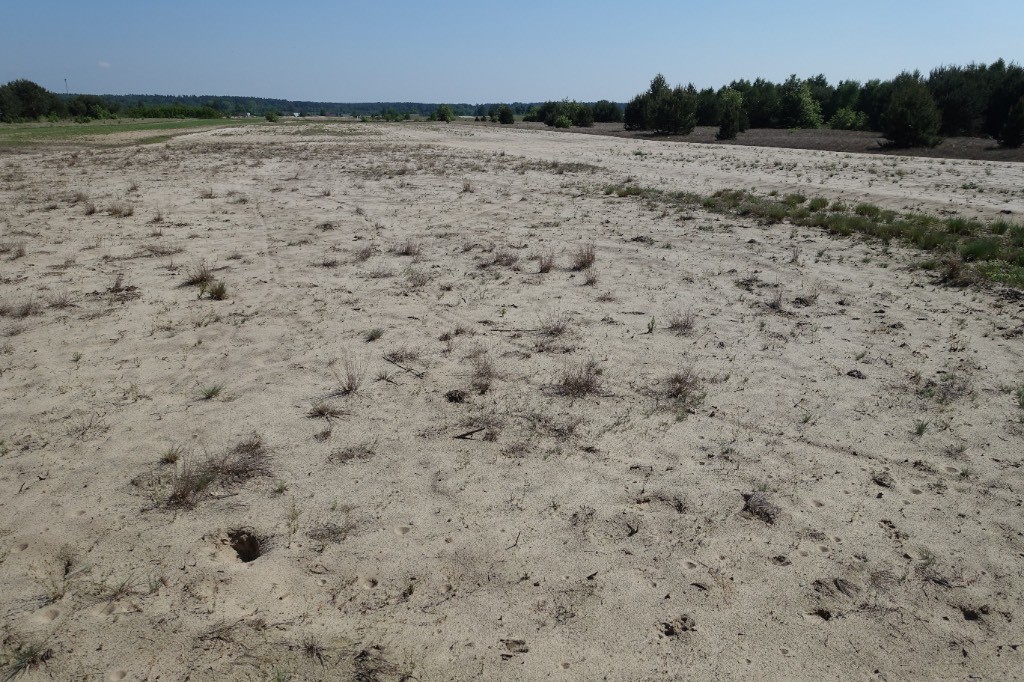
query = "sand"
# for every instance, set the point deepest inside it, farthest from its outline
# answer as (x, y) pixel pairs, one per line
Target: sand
(785, 455)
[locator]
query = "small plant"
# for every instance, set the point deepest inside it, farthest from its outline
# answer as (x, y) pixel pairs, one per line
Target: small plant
(323, 410)
(650, 325)
(483, 374)
(580, 379)
(373, 334)
(681, 324)
(20, 658)
(365, 253)
(590, 277)
(1019, 397)
(584, 257)
(172, 454)
(350, 378)
(361, 451)
(120, 209)
(198, 275)
(211, 392)
(545, 262)
(683, 389)
(553, 325)
(920, 426)
(76, 356)
(410, 247)
(467, 186)
(218, 291)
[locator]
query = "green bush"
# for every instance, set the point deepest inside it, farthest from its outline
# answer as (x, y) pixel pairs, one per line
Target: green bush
(797, 107)
(607, 112)
(848, 119)
(271, 116)
(911, 119)
(505, 115)
(562, 121)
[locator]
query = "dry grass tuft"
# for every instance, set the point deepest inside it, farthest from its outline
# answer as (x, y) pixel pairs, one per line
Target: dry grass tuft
(682, 324)
(583, 257)
(580, 379)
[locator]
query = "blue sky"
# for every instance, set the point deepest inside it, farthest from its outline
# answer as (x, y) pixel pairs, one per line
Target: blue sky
(483, 51)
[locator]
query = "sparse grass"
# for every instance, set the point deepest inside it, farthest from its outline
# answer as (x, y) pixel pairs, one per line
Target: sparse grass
(545, 262)
(483, 373)
(360, 451)
(920, 426)
(211, 392)
(684, 391)
(350, 378)
(681, 323)
(246, 460)
(553, 325)
(402, 354)
(410, 247)
(364, 253)
(172, 454)
(21, 310)
(198, 275)
(416, 278)
(120, 209)
(583, 257)
(21, 657)
(962, 259)
(321, 409)
(218, 290)
(590, 277)
(1018, 396)
(580, 379)
(373, 334)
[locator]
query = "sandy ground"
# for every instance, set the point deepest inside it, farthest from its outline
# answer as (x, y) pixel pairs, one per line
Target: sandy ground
(783, 455)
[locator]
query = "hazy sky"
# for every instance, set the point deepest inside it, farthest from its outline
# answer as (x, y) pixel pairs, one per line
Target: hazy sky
(484, 51)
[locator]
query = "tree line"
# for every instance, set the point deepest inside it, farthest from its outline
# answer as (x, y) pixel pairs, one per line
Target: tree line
(910, 109)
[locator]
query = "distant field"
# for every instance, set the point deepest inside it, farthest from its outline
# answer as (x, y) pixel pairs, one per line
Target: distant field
(12, 135)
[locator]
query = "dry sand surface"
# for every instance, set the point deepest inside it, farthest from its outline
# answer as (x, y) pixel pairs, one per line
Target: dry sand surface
(723, 451)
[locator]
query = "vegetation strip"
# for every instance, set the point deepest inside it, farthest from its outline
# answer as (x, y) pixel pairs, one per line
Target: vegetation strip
(964, 251)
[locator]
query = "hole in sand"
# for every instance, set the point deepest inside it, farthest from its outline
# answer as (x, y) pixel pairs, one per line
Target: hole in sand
(245, 544)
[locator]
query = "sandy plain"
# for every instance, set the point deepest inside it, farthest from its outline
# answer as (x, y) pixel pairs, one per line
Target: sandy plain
(724, 450)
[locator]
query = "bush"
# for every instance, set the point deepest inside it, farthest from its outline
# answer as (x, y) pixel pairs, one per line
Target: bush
(562, 122)
(505, 115)
(848, 119)
(272, 116)
(1013, 130)
(911, 119)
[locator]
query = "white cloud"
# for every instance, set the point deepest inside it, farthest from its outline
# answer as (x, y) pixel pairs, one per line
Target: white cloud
(104, 65)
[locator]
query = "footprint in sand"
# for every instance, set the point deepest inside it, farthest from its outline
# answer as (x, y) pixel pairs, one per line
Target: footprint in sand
(47, 615)
(115, 675)
(402, 530)
(368, 583)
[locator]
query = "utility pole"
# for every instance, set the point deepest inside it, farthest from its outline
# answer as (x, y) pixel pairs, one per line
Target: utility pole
(66, 87)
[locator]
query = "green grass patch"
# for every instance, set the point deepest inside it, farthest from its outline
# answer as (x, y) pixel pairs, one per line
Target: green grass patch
(21, 134)
(961, 255)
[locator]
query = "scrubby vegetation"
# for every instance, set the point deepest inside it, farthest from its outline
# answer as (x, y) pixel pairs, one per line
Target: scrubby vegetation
(961, 250)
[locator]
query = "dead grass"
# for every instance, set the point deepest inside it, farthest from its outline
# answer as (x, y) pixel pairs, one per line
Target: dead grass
(681, 323)
(583, 257)
(580, 379)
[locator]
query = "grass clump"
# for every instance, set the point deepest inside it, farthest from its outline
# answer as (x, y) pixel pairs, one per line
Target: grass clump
(583, 258)
(580, 379)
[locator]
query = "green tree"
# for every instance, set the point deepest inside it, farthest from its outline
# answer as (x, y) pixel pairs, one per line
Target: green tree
(607, 112)
(848, 119)
(797, 107)
(505, 115)
(673, 112)
(443, 113)
(911, 119)
(23, 100)
(731, 116)
(1013, 130)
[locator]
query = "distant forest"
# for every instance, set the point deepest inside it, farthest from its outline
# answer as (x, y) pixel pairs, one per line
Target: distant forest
(976, 100)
